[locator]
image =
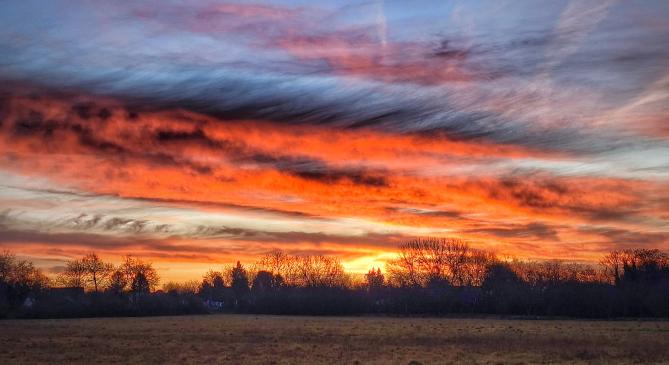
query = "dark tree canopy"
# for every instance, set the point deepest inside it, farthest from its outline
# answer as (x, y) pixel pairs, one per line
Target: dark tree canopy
(430, 276)
(240, 280)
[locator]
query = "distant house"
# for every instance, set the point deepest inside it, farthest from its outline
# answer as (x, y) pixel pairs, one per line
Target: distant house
(28, 302)
(214, 304)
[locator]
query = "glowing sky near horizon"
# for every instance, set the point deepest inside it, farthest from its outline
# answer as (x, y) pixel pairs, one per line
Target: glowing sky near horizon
(196, 133)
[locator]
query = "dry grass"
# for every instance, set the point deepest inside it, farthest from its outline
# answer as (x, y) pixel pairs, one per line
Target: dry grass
(242, 339)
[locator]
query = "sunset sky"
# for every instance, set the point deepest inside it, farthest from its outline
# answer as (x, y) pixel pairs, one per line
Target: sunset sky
(197, 133)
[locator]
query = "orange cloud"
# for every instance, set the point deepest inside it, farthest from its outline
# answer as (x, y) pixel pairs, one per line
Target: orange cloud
(404, 182)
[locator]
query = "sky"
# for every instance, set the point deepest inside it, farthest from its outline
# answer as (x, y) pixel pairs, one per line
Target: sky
(198, 133)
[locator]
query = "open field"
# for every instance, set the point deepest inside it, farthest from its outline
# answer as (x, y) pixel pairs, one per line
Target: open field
(237, 339)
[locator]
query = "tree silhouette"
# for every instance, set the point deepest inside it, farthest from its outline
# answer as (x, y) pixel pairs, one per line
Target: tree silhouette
(374, 279)
(320, 271)
(499, 275)
(430, 276)
(434, 260)
(276, 262)
(19, 279)
(133, 267)
(74, 274)
(263, 281)
(96, 270)
(140, 284)
(240, 281)
(213, 285)
(89, 272)
(117, 282)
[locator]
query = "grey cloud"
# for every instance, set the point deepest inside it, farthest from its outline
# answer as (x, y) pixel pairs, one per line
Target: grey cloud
(534, 230)
(626, 237)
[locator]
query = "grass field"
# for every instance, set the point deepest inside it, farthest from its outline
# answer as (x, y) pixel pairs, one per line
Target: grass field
(241, 339)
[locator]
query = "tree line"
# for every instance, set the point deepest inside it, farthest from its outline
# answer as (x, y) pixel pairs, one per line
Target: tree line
(430, 276)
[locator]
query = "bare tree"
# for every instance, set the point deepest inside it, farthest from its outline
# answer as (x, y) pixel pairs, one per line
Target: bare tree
(24, 273)
(6, 264)
(74, 274)
(133, 267)
(117, 282)
(476, 266)
(19, 278)
(612, 265)
(303, 271)
(634, 265)
(88, 272)
(321, 271)
(140, 284)
(276, 262)
(97, 271)
(451, 260)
